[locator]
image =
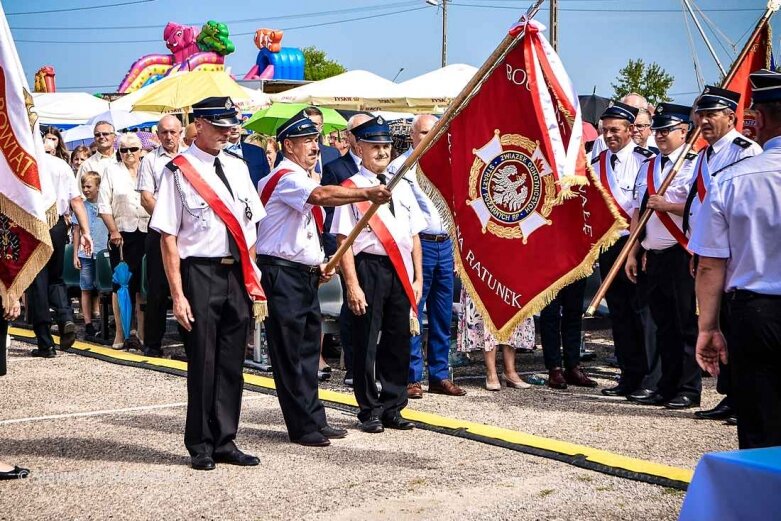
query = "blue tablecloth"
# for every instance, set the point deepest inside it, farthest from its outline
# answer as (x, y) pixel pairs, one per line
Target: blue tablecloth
(739, 485)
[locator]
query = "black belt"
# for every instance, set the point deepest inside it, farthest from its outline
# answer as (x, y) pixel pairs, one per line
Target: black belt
(434, 237)
(675, 247)
(270, 260)
(225, 261)
(744, 294)
(373, 257)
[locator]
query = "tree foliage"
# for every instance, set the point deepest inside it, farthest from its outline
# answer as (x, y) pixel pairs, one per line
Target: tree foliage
(318, 66)
(650, 80)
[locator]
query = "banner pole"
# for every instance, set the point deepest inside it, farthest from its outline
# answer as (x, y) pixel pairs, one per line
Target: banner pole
(439, 128)
(772, 7)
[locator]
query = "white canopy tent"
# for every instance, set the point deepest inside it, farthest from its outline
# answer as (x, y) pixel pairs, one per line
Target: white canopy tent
(355, 90)
(434, 90)
(67, 108)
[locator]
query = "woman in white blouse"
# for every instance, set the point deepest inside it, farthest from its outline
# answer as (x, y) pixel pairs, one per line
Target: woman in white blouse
(120, 208)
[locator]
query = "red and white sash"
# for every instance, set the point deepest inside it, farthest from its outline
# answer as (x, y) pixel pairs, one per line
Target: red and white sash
(250, 276)
(317, 211)
(609, 181)
(401, 263)
(664, 217)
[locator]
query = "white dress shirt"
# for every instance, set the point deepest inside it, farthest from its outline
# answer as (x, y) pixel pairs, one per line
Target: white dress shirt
(434, 224)
(740, 221)
(151, 170)
(119, 198)
(356, 159)
(97, 162)
(656, 235)
(198, 230)
(64, 182)
(289, 230)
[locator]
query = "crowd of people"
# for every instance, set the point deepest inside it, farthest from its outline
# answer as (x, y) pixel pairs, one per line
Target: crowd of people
(208, 233)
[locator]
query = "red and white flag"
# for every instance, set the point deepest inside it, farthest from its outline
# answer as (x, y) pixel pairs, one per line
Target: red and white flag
(25, 245)
(510, 178)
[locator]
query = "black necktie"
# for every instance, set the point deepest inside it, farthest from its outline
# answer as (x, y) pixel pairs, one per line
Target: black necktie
(708, 152)
(383, 181)
(664, 161)
(613, 161)
(233, 248)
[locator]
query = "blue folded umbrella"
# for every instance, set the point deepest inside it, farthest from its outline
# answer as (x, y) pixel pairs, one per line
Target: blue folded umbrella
(121, 277)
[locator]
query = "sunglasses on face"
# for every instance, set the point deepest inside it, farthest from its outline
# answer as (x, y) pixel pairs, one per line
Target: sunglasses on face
(103, 134)
(132, 150)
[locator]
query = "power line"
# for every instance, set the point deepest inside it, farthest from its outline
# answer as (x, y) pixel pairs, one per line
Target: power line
(85, 8)
(334, 22)
(610, 10)
(333, 12)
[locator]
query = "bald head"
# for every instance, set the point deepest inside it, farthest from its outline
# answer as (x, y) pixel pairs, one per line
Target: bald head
(422, 125)
(354, 121)
(169, 130)
(635, 100)
(190, 133)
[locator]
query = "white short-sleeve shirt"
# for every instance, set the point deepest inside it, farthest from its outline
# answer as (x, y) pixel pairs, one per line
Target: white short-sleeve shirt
(434, 223)
(407, 222)
(182, 212)
(118, 197)
(65, 185)
(740, 221)
(151, 170)
(97, 162)
(289, 230)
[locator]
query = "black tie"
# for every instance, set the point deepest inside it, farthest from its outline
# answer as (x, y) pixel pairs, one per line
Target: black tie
(664, 161)
(233, 248)
(613, 161)
(708, 152)
(383, 181)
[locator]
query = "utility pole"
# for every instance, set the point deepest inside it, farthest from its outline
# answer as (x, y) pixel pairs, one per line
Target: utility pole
(444, 33)
(554, 24)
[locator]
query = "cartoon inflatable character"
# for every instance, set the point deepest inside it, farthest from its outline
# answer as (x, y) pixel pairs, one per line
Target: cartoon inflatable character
(44, 79)
(214, 37)
(270, 39)
(181, 41)
(274, 61)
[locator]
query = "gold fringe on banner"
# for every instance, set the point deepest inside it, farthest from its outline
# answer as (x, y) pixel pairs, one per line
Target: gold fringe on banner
(582, 270)
(39, 256)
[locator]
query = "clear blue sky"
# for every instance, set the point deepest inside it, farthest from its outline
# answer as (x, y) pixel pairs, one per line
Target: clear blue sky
(92, 49)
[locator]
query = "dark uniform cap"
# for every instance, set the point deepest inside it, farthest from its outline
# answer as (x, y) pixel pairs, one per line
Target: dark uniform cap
(669, 115)
(714, 98)
(376, 130)
(298, 126)
(217, 110)
(620, 110)
(765, 86)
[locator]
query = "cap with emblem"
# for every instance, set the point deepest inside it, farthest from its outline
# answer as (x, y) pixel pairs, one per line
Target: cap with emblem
(217, 110)
(298, 126)
(669, 115)
(765, 86)
(618, 110)
(714, 98)
(376, 130)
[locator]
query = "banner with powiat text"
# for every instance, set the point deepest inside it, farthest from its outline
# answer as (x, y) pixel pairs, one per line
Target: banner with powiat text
(511, 181)
(25, 245)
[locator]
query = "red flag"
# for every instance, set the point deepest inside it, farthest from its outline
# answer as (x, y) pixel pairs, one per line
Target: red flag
(757, 57)
(511, 180)
(25, 245)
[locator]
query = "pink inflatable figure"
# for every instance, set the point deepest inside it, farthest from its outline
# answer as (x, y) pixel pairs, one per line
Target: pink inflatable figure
(181, 41)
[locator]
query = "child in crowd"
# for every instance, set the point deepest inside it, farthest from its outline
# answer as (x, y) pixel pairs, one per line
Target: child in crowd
(90, 186)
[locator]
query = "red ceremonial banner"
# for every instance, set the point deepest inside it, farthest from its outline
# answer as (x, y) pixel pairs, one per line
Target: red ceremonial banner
(511, 181)
(758, 57)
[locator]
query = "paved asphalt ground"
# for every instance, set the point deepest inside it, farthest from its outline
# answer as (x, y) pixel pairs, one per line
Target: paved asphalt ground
(105, 441)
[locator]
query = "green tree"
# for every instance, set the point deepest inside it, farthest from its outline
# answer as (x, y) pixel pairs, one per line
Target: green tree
(649, 80)
(318, 66)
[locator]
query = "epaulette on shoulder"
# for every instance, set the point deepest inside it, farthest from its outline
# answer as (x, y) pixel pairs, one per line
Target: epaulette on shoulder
(595, 160)
(644, 152)
(728, 166)
(234, 154)
(742, 142)
(691, 156)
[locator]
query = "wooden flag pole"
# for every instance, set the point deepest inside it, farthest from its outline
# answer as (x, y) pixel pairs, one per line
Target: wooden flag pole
(772, 7)
(440, 128)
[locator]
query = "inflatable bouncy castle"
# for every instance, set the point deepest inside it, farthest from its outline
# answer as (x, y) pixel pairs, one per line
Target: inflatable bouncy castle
(44, 79)
(191, 50)
(275, 62)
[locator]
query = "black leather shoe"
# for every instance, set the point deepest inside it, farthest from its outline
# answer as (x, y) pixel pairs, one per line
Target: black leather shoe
(654, 399)
(399, 423)
(43, 353)
(721, 412)
(640, 393)
(202, 462)
(732, 420)
(236, 457)
(682, 401)
(333, 433)
(153, 352)
(313, 439)
(68, 336)
(372, 426)
(16, 473)
(618, 390)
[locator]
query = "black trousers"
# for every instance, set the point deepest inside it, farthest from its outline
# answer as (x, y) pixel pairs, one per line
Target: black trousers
(157, 293)
(293, 329)
(346, 330)
(387, 318)
(724, 380)
(754, 344)
(48, 290)
(3, 335)
(626, 319)
(133, 246)
(561, 324)
(215, 353)
(672, 302)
